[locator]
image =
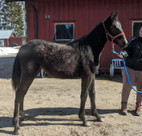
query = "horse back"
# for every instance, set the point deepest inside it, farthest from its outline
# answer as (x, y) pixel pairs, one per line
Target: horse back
(58, 60)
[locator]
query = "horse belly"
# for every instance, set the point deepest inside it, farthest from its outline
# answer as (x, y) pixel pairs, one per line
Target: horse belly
(62, 67)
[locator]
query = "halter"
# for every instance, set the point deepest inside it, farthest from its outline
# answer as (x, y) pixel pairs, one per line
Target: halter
(112, 37)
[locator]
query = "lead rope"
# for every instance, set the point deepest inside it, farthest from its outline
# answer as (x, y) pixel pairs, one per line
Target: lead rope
(113, 51)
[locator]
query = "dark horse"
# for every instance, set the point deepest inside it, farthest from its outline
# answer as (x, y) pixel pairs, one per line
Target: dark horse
(78, 59)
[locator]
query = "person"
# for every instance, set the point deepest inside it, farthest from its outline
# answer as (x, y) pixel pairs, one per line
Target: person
(133, 57)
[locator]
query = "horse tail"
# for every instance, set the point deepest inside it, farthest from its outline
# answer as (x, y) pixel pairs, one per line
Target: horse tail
(16, 73)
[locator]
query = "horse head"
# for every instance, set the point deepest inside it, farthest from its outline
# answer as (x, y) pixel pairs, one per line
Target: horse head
(114, 31)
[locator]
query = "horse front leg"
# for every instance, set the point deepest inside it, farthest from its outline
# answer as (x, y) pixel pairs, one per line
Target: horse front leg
(84, 93)
(92, 101)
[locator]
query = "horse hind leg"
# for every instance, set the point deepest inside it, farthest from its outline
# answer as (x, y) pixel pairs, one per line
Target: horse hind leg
(16, 118)
(25, 83)
(21, 113)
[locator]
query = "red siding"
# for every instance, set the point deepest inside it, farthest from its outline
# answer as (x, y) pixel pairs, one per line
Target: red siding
(85, 14)
(17, 40)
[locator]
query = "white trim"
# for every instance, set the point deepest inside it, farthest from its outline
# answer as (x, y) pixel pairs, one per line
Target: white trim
(135, 21)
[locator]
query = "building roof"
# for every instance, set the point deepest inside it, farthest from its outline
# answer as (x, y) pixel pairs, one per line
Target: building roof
(5, 34)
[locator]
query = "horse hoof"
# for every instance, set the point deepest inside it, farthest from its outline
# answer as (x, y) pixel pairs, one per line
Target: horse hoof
(100, 120)
(86, 124)
(24, 118)
(16, 132)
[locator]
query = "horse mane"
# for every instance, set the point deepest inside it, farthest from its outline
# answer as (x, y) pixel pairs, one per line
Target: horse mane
(92, 39)
(79, 42)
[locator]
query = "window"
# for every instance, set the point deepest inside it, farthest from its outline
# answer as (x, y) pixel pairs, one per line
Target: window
(1, 43)
(64, 32)
(135, 27)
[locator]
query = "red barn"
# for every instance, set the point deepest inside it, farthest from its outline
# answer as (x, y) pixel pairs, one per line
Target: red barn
(65, 20)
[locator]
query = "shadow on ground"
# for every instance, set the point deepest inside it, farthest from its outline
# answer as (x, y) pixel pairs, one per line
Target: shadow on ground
(58, 111)
(105, 76)
(6, 66)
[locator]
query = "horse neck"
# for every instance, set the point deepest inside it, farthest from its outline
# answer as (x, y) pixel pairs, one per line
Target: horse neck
(97, 39)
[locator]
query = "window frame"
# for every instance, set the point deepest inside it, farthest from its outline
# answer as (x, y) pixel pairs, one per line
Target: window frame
(135, 21)
(63, 40)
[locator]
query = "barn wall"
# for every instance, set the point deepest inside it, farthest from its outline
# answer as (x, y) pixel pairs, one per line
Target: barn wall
(17, 40)
(85, 14)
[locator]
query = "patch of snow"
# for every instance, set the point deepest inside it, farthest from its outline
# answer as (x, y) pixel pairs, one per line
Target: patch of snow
(9, 50)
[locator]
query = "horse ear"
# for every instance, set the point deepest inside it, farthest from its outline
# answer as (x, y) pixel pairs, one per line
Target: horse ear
(116, 16)
(112, 15)
(111, 18)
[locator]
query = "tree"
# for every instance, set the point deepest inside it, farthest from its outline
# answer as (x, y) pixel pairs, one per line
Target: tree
(1, 13)
(13, 17)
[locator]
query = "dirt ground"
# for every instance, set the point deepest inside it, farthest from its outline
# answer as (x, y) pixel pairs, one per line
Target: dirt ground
(53, 106)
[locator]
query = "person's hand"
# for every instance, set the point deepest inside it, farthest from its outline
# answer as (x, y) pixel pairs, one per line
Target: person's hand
(120, 56)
